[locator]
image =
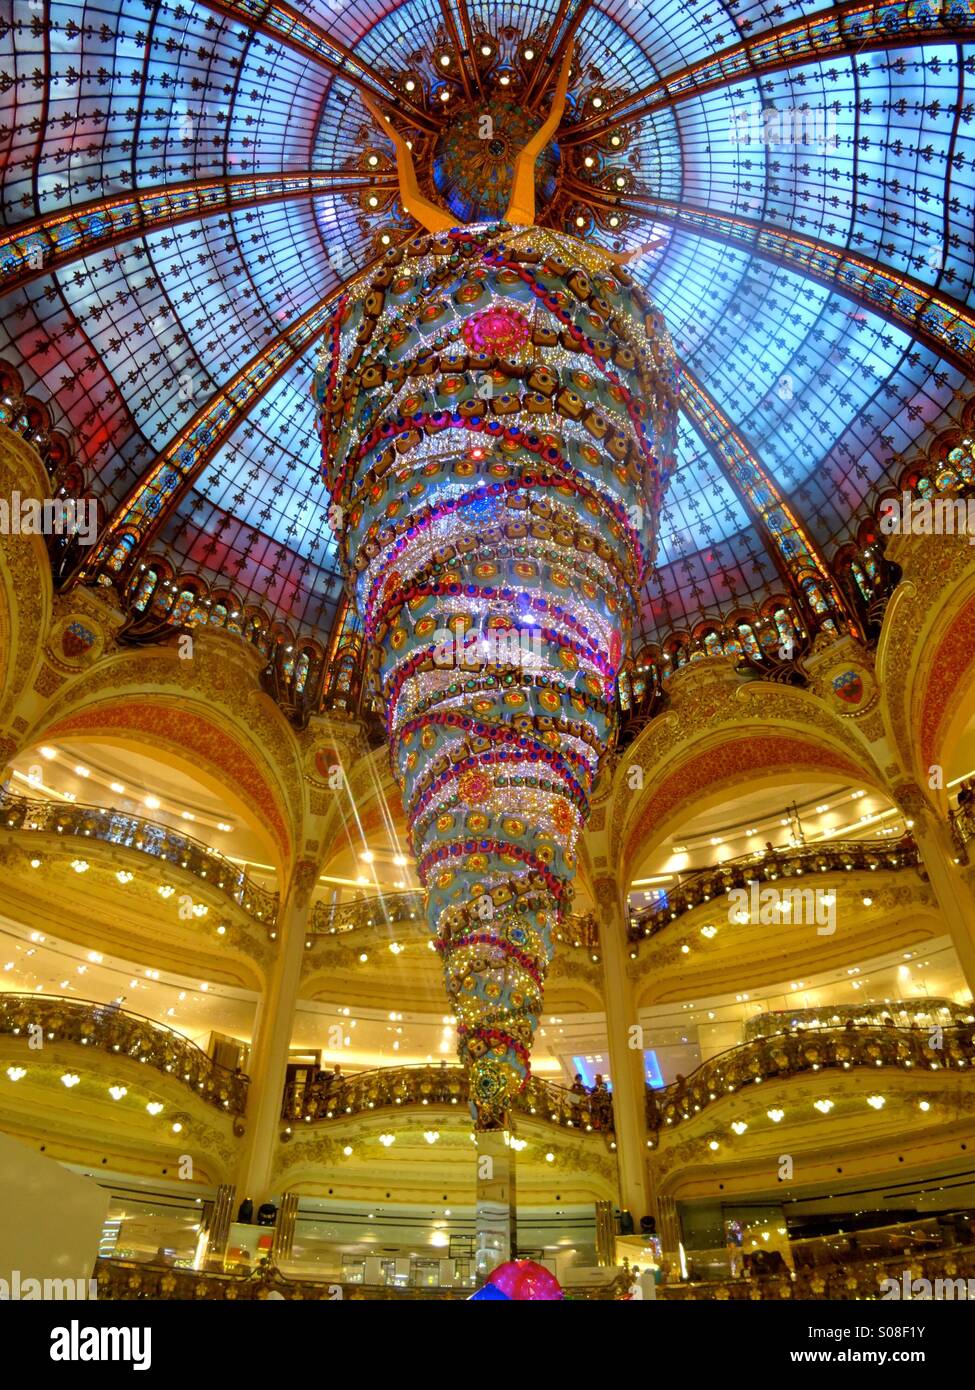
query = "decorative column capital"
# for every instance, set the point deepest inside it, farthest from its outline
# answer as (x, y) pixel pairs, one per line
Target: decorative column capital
(911, 799)
(303, 881)
(608, 896)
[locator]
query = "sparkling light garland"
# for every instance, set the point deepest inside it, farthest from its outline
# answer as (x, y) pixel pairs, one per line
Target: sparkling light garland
(497, 410)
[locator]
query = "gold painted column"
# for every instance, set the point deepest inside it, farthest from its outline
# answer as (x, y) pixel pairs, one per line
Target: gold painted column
(217, 1223)
(272, 1042)
(668, 1229)
(284, 1230)
(625, 1054)
(954, 897)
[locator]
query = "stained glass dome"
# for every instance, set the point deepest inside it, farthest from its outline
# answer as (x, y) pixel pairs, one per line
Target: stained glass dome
(187, 187)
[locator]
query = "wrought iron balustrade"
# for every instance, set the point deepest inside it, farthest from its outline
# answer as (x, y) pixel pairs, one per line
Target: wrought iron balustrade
(132, 1279)
(391, 908)
(330, 919)
(147, 837)
(391, 1087)
(859, 1279)
(961, 824)
(107, 1028)
(786, 1055)
(708, 885)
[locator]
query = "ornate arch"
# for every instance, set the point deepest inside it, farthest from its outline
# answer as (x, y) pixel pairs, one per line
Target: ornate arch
(717, 736)
(26, 591)
(926, 656)
(206, 715)
(946, 698)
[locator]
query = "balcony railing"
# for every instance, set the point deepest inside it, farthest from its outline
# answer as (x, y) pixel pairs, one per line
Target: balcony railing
(146, 837)
(794, 1054)
(707, 885)
(390, 1087)
(580, 931)
(392, 908)
(961, 823)
(131, 1279)
(860, 1279)
(924, 1011)
(106, 1028)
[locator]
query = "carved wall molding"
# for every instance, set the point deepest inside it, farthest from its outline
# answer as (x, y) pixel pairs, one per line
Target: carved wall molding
(26, 591)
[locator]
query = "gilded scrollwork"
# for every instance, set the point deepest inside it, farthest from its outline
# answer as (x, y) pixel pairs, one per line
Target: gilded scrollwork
(25, 578)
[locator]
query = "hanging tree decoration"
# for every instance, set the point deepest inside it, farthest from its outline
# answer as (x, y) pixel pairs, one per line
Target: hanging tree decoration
(497, 409)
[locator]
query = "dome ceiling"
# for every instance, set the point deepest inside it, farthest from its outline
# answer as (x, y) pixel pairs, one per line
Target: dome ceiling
(187, 187)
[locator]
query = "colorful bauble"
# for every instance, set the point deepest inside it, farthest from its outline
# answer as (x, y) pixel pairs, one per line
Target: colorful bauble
(521, 1281)
(497, 415)
(500, 329)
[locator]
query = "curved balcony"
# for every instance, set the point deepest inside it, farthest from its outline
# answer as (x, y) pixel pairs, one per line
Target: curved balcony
(850, 1279)
(706, 885)
(961, 825)
(790, 1054)
(390, 1087)
(131, 1279)
(113, 827)
(927, 1011)
(329, 919)
(110, 1029)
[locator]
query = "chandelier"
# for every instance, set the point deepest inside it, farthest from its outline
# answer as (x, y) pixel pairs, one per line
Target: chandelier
(497, 408)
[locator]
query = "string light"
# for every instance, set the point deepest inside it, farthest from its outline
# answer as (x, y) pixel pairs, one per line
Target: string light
(495, 610)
